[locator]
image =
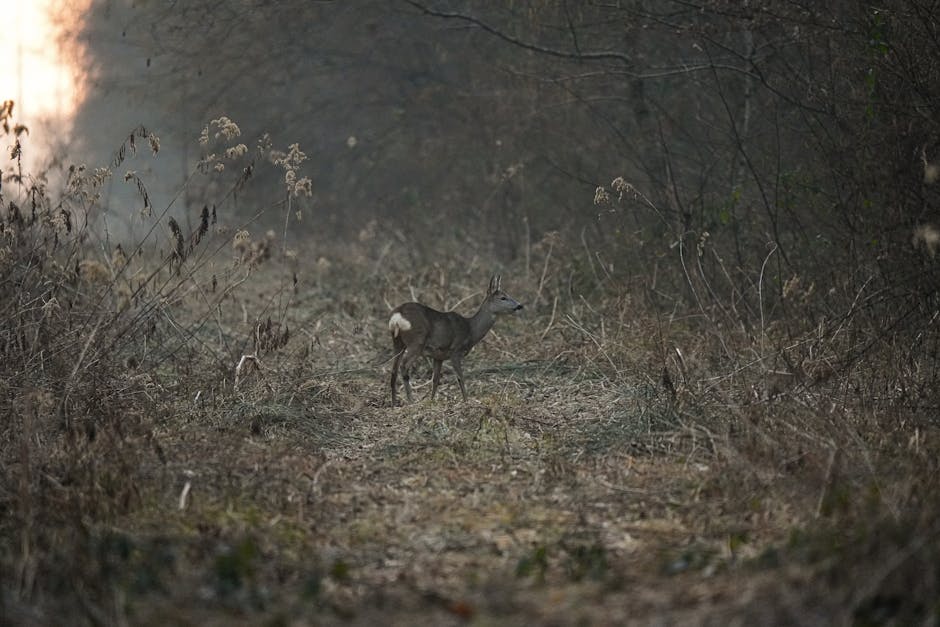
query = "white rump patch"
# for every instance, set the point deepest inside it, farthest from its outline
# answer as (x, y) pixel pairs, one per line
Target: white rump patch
(398, 323)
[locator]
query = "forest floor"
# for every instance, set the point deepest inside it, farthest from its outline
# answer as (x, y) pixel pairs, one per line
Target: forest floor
(574, 487)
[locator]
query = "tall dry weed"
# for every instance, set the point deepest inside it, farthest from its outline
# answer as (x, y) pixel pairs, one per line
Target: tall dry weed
(90, 341)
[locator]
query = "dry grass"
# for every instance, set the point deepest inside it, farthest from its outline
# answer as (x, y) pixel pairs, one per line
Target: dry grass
(614, 465)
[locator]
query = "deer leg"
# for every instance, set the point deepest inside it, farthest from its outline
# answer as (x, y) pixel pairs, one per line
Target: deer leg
(394, 382)
(456, 362)
(436, 377)
(410, 357)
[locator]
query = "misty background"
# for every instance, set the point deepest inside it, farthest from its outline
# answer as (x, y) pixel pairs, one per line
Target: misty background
(797, 140)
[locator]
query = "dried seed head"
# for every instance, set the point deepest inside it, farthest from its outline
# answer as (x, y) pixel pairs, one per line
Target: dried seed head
(790, 286)
(180, 245)
(926, 236)
(175, 228)
(154, 143)
(118, 258)
(227, 128)
(236, 151)
(93, 271)
(303, 187)
(201, 230)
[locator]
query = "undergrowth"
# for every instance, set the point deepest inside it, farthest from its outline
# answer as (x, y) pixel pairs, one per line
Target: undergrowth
(197, 423)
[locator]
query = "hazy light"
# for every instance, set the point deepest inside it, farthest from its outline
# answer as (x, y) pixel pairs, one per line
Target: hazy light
(36, 71)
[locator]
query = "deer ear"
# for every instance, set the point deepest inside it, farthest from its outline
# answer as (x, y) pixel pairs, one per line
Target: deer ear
(494, 284)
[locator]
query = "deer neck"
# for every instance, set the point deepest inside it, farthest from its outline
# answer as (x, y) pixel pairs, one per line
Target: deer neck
(481, 323)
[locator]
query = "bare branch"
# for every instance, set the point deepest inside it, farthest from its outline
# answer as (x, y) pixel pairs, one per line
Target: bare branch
(592, 55)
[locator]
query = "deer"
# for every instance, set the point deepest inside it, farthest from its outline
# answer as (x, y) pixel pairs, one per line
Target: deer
(420, 330)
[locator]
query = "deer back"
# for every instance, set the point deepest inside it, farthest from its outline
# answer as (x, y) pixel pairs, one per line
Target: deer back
(438, 333)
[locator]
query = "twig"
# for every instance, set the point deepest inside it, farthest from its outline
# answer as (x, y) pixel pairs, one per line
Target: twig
(548, 256)
(760, 297)
(184, 494)
(587, 251)
(551, 320)
(827, 483)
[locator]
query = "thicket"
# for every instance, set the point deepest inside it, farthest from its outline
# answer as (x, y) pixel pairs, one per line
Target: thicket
(100, 340)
